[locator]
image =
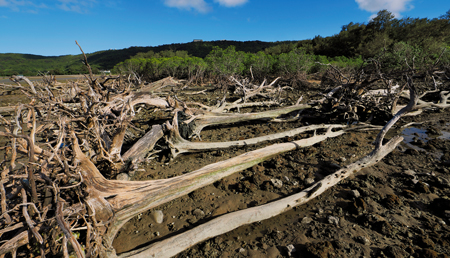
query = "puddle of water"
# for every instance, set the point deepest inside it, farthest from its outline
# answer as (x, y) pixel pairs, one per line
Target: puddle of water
(444, 136)
(412, 133)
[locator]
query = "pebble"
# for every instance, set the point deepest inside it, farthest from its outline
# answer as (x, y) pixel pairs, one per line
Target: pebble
(410, 172)
(198, 213)
(276, 182)
(355, 193)
(158, 216)
(123, 177)
(363, 240)
(307, 220)
(290, 249)
(309, 181)
(333, 220)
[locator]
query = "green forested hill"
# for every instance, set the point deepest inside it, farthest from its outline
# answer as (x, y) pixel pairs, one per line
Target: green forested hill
(27, 64)
(413, 35)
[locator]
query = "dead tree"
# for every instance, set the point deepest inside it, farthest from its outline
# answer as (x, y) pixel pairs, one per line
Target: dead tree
(59, 149)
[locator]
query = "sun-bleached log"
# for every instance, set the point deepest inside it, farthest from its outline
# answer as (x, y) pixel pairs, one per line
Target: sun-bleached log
(174, 245)
(144, 145)
(197, 122)
(126, 199)
(179, 145)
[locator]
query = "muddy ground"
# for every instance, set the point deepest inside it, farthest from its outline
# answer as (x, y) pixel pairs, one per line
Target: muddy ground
(397, 208)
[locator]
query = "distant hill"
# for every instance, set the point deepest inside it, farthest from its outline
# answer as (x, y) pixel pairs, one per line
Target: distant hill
(412, 37)
(27, 64)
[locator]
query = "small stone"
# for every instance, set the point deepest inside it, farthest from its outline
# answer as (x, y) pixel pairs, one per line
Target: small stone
(286, 178)
(198, 213)
(342, 159)
(276, 182)
(158, 216)
(355, 193)
(333, 220)
(291, 249)
(363, 240)
(309, 181)
(241, 250)
(307, 220)
(123, 177)
(410, 172)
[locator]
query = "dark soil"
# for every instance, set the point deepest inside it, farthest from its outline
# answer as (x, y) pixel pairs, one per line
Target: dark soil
(397, 208)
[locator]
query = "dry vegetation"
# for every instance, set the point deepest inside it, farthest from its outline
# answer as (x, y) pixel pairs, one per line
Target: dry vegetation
(64, 147)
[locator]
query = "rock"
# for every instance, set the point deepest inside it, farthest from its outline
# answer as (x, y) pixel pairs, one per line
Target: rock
(333, 220)
(410, 172)
(276, 182)
(363, 240)
(158, 216)
(355, 193)
(309, 181)
(307, 220)
(291, 249)
(342, 159)
(123, 177)
(198, 213)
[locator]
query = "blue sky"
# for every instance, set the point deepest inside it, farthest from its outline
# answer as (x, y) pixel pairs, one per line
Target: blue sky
(49, 28)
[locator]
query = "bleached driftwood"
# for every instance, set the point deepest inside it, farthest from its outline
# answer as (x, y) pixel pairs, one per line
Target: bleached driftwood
(174, 245)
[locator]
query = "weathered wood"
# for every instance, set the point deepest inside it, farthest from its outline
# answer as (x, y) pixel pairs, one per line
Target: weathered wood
(174, 245)
(179, 145)
(197, 122)
(144, 145)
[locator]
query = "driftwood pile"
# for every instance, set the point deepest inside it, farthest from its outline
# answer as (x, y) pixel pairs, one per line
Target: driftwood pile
(62, 149)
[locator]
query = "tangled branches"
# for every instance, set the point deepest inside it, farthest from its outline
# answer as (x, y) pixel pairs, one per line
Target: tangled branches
(63, 149)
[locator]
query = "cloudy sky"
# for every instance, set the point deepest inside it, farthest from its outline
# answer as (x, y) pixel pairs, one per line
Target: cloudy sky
(46, 27)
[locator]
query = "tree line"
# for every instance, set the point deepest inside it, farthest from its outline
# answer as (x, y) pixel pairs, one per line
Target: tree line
(418, 37)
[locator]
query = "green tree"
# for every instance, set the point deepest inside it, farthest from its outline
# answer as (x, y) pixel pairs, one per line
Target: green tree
(262, 64)
(295, 63)
(228, 62)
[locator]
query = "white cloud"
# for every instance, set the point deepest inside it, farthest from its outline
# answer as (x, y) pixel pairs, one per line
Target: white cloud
(201, 5)
(198, 5)
(231, 3)
(393, 6)
(79, 6)
(20, 5)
